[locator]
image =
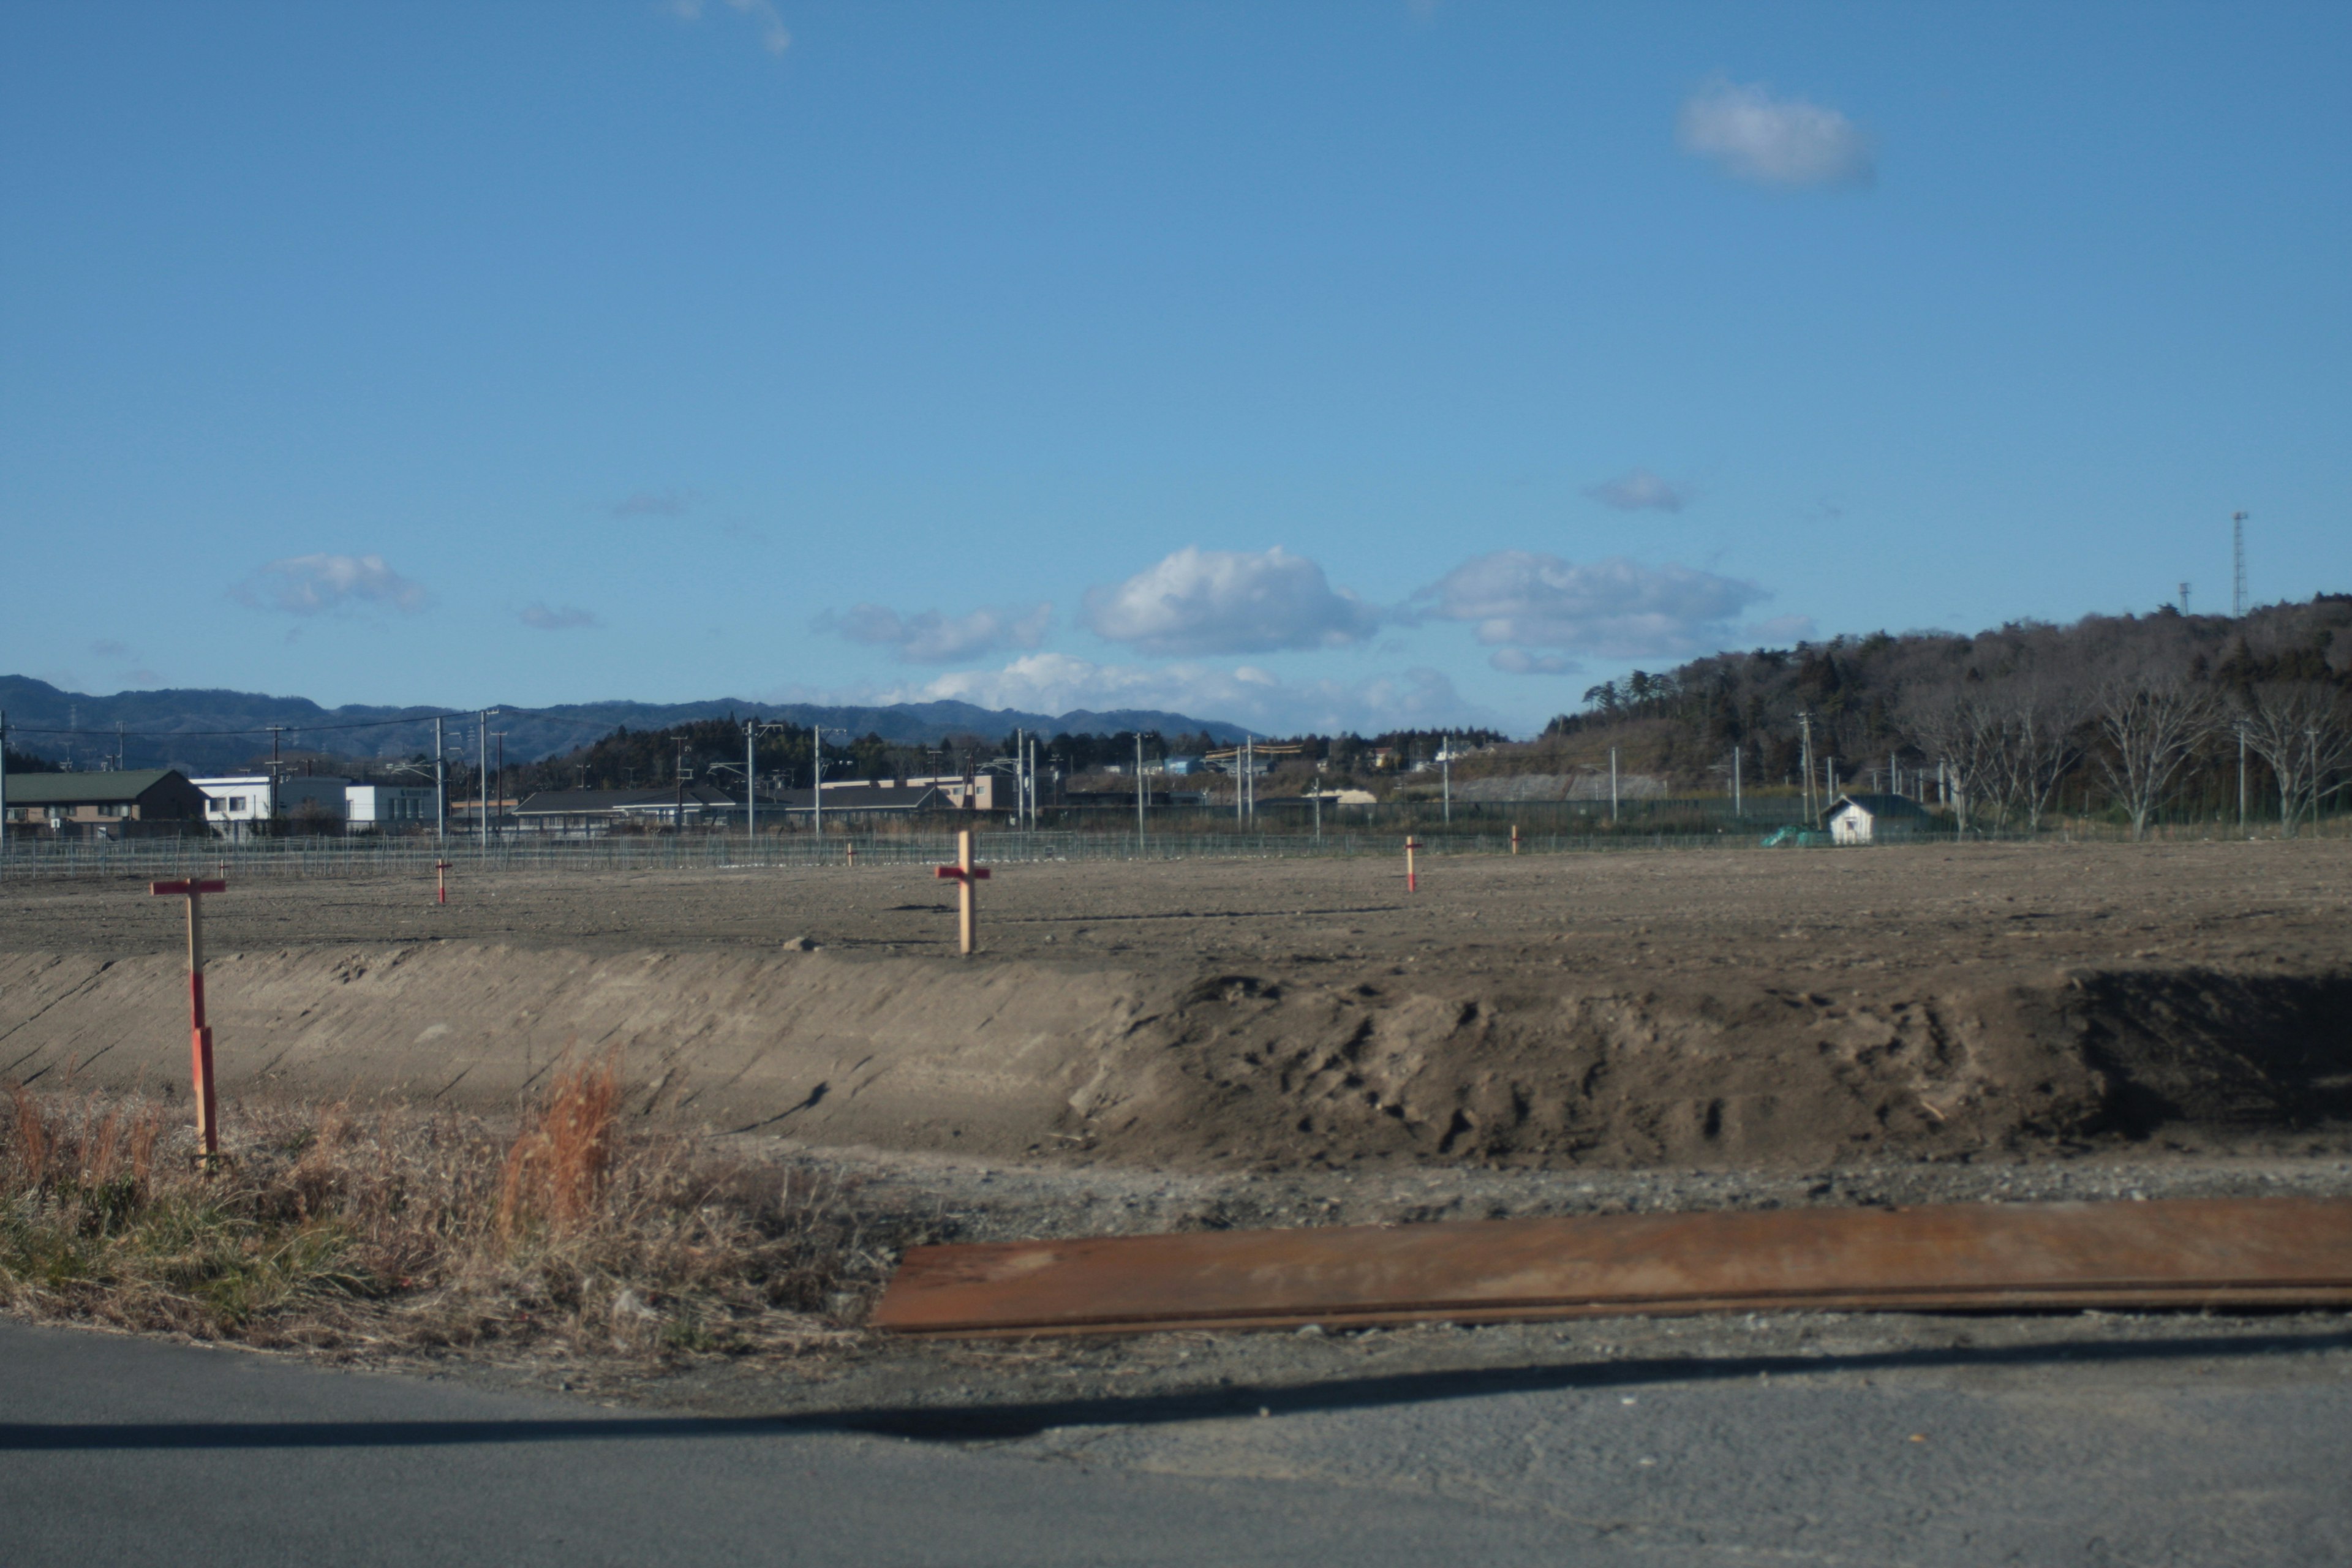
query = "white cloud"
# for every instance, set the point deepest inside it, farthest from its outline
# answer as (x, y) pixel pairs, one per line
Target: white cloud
(1519, 661)
(1616, 608)
(308, 584)
(1641, 491)
(564, 618)
(653, 503)
(1240, 694)
(932, 637)
(1751, 135)
(1779, 629)
(773, 36)
(1226, 602)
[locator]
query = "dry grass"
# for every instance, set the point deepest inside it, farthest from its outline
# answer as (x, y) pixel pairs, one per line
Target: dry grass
(397, 1230)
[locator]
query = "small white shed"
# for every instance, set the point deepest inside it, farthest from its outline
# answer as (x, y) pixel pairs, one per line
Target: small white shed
(1874, 818)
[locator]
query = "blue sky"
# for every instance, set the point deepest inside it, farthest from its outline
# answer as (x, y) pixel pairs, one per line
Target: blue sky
(1299, 365)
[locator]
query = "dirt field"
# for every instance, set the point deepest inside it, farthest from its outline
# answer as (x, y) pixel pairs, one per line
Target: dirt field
(1718, 1010)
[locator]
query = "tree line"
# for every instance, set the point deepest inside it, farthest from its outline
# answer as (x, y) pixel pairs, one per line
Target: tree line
(2151, 713)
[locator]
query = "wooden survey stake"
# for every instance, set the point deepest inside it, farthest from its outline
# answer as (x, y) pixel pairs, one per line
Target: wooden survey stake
(1411, 883)
(964, 874)
(200, 1034)
(440, 881)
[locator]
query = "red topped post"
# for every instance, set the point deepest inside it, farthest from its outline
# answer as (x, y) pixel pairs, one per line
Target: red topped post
(200, 1034)
(440, 881)
(964, 874)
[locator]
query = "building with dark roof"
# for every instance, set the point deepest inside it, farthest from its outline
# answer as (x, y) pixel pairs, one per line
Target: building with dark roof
(141, 802)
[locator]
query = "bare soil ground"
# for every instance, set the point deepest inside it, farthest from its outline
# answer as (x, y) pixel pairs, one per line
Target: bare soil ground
(1730, 1009)
(1162, 1045)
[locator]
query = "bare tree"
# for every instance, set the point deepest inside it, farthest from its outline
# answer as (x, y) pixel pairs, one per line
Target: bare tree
(1952, 723)
(2151, 732)
(2035, 738)
(2301, 728)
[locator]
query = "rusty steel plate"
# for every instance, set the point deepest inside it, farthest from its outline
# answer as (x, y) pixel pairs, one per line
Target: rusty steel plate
(2186, 1252)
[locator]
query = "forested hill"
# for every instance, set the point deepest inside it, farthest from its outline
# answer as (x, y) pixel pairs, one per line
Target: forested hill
(210, 731)
(2027, 716)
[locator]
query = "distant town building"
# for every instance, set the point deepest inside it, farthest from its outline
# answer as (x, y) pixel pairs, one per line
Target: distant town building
(954, 788)
(140, 802)
(387, 808)
(237, 804)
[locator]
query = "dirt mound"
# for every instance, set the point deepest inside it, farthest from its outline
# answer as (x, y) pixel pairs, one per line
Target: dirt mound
(1730, 1075)
(1010, 1058)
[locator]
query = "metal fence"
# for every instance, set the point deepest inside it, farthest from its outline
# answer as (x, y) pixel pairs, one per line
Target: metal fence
(158, 859)
(1186, 836)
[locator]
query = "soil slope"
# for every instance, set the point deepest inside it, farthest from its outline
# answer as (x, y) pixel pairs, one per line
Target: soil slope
(1735, 1008)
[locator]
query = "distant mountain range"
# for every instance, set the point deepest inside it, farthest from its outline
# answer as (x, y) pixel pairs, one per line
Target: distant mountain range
(210, 731)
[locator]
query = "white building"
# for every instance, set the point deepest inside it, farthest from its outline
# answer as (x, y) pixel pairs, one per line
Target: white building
(234, 802)
(1874, 818)
(381, 808)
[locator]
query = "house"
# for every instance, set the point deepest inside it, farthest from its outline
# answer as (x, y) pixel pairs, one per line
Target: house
(387, 808)
(140, 803)
(868, 802)
(953, 788)
(1874, 818)
(577, 813)
(236, 804)
(593, 812)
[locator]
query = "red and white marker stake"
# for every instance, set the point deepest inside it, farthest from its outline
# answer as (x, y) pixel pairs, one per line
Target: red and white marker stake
(853, 856)
(440, 881)
(200, 1034)
(965, 875)
(1515, 839)
(1411, 883)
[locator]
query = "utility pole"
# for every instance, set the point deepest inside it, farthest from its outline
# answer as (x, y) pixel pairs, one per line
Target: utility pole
(501, 791)
(816, 796)
(1138, 791)
(1445, 773)
(1805, 760)
(2238, 565)
(3, 791)
(752, 728)
(1736, 812)
(678, 778)
(1613, 783)
(2242, 775)
(2184, 598)
(1021, 777)
(482, 768)
(275, 731)
(440, 782)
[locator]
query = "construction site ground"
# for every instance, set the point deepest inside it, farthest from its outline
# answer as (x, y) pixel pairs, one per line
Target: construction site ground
(1270, 1042)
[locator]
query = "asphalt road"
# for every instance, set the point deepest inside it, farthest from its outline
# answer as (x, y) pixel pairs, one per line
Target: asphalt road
(2195, 1449)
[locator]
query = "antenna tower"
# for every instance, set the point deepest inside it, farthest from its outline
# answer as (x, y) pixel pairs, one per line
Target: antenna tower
(2237, 564)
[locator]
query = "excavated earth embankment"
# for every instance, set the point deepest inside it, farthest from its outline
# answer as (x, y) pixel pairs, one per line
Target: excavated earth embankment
(1274, 1063)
